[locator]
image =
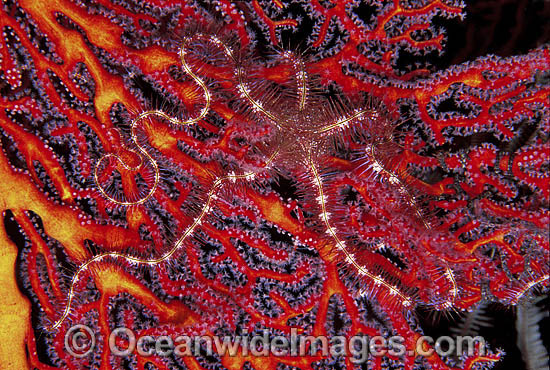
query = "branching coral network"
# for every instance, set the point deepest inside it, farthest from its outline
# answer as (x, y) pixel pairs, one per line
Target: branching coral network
(300, 135)
(204, 182)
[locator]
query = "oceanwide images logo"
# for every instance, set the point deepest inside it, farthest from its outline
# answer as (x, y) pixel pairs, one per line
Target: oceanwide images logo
(80, 341)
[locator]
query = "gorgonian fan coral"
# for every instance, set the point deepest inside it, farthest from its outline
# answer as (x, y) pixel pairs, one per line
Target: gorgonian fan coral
(178, 169)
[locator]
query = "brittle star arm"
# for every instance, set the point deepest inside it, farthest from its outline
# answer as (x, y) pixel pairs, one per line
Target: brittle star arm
(378, 167)
(301, 77)
(255, 104)
(258, 106)
(521, 293)
(204, 111)
(343, 122)
(177, 245)
(406, 301)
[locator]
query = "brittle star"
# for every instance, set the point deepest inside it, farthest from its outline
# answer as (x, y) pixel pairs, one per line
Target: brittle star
(300, 135)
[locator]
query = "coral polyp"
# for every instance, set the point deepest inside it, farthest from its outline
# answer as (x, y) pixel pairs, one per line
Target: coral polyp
(190, 170)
